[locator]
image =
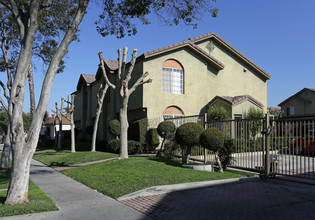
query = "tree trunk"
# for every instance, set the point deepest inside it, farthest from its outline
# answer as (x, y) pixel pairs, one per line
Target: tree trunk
(219, 162)
(24, 148)
(6, 152)
(60, 134)
(123, 154)
(18, 187)
(97, 117)
(72, 134)
(31, 88)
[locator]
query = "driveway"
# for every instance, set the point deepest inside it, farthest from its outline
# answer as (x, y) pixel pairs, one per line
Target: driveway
(256, 199)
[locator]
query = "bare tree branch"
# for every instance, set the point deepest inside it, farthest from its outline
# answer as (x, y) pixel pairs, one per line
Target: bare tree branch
(100, 54)
(4, 90)
(140, 82)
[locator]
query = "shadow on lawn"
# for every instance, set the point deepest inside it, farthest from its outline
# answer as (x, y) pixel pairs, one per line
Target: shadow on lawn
(166, 161)
(58, 164)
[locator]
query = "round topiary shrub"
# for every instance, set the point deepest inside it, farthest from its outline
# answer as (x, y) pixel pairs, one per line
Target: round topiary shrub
(114, 128)
(165, 128)
(212, 139)
(187, 135)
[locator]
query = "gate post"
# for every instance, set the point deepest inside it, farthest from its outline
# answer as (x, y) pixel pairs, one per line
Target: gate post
(267, 145)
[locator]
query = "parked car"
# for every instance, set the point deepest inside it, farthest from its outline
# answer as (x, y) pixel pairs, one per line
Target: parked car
(304, 145)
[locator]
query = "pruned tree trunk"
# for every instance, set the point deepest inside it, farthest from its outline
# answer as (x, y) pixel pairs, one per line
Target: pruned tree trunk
(100, 101)
(71, 111)
(123, 153)
(31, 88)
(124, 91)
(219, 162)
(6, 151)
(24, 148)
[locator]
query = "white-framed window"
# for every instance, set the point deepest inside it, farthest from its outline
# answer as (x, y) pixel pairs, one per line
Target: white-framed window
(173, 80)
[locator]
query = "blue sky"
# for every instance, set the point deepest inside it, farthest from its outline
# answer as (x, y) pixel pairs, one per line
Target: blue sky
(279, 36)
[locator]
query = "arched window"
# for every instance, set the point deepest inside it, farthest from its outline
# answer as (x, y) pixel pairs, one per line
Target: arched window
(290, 109)
(172, 112)
(172, 77)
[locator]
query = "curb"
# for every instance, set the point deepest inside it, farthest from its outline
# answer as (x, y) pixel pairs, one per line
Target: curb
(157, 190)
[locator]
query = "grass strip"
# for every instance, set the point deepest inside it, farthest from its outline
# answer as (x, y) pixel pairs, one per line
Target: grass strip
(38, 200)
(121, 177)
(54, 158)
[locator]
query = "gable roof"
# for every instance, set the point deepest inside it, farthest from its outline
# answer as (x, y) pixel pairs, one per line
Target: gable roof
(85, 79)
(191, 43)
(235, 100)
(297, 96)
(54, 120)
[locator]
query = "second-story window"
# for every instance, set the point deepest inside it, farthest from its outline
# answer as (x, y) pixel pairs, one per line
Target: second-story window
(172, 77)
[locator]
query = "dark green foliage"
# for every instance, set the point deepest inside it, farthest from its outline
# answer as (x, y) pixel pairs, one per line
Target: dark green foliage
(114, 128)
(187, 136)
(113, 146)
(137, 130)
(153, 138)
(134, 147)
(118, 17)
(212, 139)
(4, 120)
(217, 114)
(225, 153)
(165, 128)
(170, 147)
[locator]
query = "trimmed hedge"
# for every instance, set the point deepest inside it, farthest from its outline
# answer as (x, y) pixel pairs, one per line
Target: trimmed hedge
(134, 147)
(114, 128)
(153, 138)
(137, 130)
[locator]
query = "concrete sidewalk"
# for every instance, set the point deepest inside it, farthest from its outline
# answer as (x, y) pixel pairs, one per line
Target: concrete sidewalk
(75, 200)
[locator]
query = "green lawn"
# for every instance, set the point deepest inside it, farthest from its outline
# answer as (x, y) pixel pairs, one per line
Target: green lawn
(54, 158)
(39, 201)
(121, 177)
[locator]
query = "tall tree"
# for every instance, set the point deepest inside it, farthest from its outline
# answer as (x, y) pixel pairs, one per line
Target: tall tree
(124, 76)
(52, 18)
(100, 99)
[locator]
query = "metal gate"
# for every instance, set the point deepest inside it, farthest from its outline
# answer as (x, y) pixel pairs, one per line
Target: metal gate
(284, 146)
(270, 146)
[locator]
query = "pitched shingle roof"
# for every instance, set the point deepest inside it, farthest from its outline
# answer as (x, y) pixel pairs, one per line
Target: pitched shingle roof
(88, 78)
(111, 64)
(297, 95)
(234, 100)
